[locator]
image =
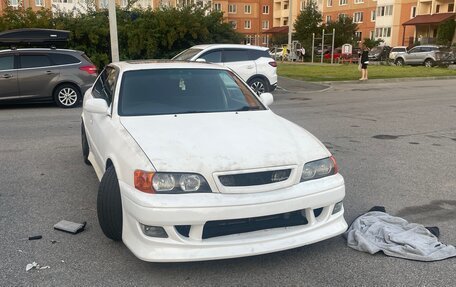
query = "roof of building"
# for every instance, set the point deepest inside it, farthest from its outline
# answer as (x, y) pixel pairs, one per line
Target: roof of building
(429, 19)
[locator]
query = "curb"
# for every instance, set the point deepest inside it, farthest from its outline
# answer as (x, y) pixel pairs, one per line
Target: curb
(394, 80)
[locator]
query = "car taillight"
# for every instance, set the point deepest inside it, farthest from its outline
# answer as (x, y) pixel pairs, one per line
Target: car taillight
(273, 63)
(89, 69)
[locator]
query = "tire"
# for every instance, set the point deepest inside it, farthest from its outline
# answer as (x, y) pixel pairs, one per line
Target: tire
(259, 86)
(399, 62)
(429, 63)
(67, 96)
(85, 145)
(109, 205)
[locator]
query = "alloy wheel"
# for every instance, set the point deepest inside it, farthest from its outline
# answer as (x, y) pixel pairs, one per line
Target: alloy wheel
(68, 97)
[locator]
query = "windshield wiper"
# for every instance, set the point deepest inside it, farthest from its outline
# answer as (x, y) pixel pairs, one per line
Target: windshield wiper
(246, 108)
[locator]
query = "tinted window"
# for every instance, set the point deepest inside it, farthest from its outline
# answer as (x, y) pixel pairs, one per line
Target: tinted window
(235, 55)
(34, 61)
(398, 50)
(415, 50)
(256, 54)
(6, 62)
(63, 59)
(187, 54)
(178, 91)
(213, 57)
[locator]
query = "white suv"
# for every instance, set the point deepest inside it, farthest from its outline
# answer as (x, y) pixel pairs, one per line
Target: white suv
(252, 63)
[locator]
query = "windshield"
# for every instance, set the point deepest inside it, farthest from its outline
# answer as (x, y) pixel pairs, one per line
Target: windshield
(180, 91)
(187, 55)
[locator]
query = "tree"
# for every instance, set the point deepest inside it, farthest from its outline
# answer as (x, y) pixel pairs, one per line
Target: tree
(345, 30)
(307, 23)
(445, 32)
(371, 43)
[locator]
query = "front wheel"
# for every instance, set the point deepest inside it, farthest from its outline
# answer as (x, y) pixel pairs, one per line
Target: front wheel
(109, 205)
(258, 85)
(429, 63)
(399, 62)
(67, 96)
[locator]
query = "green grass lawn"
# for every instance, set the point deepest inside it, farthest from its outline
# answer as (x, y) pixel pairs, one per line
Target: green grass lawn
(344, 72)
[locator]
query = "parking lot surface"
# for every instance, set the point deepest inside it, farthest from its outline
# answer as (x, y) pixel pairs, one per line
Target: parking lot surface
(395, 144)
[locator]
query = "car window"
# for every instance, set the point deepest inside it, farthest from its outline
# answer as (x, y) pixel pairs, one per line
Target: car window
(34, 61)
(212, 57)
(426, 49)
(104, 87)
(6, 62)
(63, 59)
(187, 54)
(235, 56)
(415, 50)
(178, 91)
(256, 54)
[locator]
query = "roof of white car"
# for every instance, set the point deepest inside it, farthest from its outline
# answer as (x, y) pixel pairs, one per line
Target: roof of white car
(210, 46)
(164, 64)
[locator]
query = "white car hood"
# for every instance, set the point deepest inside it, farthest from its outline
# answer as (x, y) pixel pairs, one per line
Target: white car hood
(217, 142)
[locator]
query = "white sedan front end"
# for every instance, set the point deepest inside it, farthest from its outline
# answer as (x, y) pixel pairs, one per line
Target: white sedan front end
(193, 166)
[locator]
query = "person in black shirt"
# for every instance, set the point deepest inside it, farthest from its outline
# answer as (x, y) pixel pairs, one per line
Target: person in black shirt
(364, 61)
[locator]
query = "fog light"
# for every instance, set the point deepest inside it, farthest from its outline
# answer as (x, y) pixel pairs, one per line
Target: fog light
(337, 207)
(154, 231)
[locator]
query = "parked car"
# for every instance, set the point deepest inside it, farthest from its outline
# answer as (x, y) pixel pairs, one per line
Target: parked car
(194, 165)
(252, 63)
(336, 55)
(427, 55)
(379, 53)
(318, 50)
(397, 50)
(45, 74)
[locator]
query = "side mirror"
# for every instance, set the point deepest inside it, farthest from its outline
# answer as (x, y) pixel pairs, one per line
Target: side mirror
(200, 60)
(97, 106)
(267, 99)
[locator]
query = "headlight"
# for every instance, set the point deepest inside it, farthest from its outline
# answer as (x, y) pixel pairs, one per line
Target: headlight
(167, 182)
(319, 168)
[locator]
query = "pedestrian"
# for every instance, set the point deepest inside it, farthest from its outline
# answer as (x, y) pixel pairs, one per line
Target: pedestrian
(303, 53)
(363, 62)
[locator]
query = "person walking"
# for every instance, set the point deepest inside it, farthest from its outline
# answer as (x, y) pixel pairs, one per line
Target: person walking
(364, 61)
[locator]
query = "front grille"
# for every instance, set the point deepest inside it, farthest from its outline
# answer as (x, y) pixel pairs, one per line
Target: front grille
(255, 178)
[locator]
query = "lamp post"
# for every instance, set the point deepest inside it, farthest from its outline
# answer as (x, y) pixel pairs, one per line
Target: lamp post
(290, 3)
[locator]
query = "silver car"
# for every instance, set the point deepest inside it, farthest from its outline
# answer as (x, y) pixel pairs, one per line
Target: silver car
(427, 55)
(45, 74)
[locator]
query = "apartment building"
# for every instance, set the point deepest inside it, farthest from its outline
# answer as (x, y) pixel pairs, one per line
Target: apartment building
(34, 4)
(429, 15)
(251, 18)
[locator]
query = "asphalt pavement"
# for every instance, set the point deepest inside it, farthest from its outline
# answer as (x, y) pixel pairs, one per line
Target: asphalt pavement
(395, 143)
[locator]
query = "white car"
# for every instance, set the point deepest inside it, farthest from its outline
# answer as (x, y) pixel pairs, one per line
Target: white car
(395, 51)
(194, 165)
(252, 63)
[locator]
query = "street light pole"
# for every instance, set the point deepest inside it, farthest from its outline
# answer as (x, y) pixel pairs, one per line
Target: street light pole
(113, 30)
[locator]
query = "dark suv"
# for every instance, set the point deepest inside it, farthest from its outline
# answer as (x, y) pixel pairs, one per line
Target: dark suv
(45, 74)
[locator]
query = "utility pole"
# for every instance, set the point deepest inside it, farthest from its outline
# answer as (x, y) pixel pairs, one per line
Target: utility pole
(113, 30)
(290, 22)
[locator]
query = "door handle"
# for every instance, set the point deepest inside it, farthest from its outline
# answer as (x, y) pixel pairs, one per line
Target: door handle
(7, 76)
(250, 67)
(50, 73)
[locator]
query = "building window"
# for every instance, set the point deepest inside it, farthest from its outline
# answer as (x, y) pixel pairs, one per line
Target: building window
(232, 8)
(329, 3)
(233, 24)
(437, 8)
(371, 34)
(285, 6)
(385, 10)
(413, 12)
(373, 16)
(358, 17)
(359, 1)
(13, 3)
(265, 24)
(342, 16)
(451, 7)
(302, 5)
(217, 6)
(358, 36)
(265, 9)
(383, 32)
(328, 18)
(265, 40)
(285, 22)
(39, 3)
(247, 24)
(343, 2)
(247, 9)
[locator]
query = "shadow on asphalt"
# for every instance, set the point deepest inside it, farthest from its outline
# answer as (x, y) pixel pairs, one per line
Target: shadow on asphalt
(298, 86)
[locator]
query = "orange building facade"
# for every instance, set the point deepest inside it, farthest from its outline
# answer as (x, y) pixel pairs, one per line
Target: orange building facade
(34, 4)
